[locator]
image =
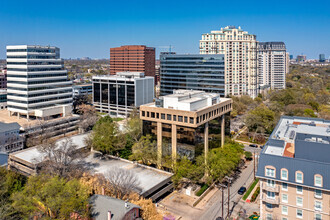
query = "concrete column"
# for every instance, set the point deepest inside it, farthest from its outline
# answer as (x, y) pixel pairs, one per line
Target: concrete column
(174, 143)
(206, 140)
(222, 130)
(159, 144)
(18, 115)
(27, 116)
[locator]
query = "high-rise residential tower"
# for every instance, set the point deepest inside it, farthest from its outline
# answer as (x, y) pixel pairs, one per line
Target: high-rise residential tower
(272, 64)
(38, 84)
(240, 50)
(133, 58)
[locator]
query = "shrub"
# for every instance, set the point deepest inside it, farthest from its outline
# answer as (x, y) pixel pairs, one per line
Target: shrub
(250, 189)
(202, 190)
(255, 194)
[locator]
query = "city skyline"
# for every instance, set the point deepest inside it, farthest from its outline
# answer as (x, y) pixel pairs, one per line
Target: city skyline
(83, 30)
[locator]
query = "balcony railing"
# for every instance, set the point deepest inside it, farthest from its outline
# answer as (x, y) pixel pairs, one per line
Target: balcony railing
(274, 201)
(275, 189)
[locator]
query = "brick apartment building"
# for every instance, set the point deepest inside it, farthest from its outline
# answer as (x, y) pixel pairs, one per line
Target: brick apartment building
(133, 58)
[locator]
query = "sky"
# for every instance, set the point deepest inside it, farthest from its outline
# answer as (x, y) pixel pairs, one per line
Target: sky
(89, 28)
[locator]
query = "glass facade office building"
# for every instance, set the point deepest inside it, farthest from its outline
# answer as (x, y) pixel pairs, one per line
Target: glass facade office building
(203, 72)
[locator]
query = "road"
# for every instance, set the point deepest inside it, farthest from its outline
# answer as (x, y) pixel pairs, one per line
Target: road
(213, 209)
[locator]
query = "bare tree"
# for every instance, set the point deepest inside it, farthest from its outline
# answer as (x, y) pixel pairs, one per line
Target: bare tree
(122, 182)
(88, 117)
(63, 159)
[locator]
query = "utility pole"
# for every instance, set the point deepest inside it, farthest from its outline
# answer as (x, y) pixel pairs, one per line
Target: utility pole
(219, 185)
(254, 165)
(229, 179)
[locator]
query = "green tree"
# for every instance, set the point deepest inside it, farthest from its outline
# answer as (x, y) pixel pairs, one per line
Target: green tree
(309, 113)
(134, 125)
(106, 136)
(261, 117)
(145, 150)
(184, 168)
(51, 198)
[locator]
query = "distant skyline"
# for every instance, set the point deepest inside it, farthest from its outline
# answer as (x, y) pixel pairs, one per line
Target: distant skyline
(89, 29)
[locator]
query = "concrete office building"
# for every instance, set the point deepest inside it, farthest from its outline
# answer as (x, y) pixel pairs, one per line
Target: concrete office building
(178, 117)
(203, 72)
(38, 84)
(240, 50)
(272, 64)
(294, 170)
(10, 139)
(133, 58)
(119, 94)
(301, 58)
(83, 89)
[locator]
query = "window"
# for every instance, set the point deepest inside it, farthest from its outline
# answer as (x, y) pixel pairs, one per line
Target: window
(299, 177)
(299, 201)
(284, 210)
(163, 116)
(318, 217)
(299, 189)
(153, 114)
(169, 117)
(318, 193)
(148, 114)
(157, 114)
(318, 205)
(318, 180)
(174, 117)
(284, 218)
(185, 119)
(284, 186)
(269, 217)
(180, 118)
(299, 213)
(285, 198)
(271, 183)
(270, 172)
(143, 113)
(191, 120)
(270, 195)
(284, 174)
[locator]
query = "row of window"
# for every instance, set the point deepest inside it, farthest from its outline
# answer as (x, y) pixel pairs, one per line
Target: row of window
(168, 117)
(37, 75)
(34, 69)
(299, 176)
(299, 214)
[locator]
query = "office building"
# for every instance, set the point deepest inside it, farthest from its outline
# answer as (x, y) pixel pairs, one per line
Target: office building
(3, 99)
(294, 170)
(240, 50)
(301, 58)
(203, 72)
(272, 64)
(182, 119)
(81, 90)
(3, 79)
(38, 84)
(321, 58)
(133, 58)
(10, 139)
(119, 94)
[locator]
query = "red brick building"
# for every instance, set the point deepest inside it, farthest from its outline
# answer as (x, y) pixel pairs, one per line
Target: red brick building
(134, 58)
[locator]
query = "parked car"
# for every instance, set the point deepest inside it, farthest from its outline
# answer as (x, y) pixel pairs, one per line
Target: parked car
(253, 145)
(241, 190)
(261, 146)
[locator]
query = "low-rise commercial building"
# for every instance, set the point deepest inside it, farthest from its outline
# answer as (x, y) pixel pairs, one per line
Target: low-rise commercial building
(10, 139)
(179, 118)
(204, 72)
(83, 89)
(294, 170)
(119, 94)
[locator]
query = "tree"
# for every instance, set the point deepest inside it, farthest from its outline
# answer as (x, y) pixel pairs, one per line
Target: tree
(62, 159)
(309, 113)
(134, 125)
(106, 136)
(185, 168)
(262, 117)
(88, 117)
(145, 150)
(122, 182)
(51, 198)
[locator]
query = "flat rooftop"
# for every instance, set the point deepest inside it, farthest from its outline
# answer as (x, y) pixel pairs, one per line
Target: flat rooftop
(34, 156)
(290, 134)
(123, 75)
(22, 121)
(149, 178)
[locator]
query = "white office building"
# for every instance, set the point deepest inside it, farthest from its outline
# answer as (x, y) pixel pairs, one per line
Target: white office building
(119, 94)
(272, 64)
(240, 50)
(37, 84)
